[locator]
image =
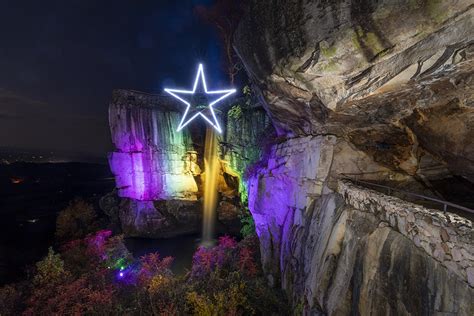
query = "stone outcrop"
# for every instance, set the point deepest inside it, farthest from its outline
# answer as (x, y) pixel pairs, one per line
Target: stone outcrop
(389, 76)
(297, 172)
(340, 249)
(152, 161)
(246, 138)
(159, 172)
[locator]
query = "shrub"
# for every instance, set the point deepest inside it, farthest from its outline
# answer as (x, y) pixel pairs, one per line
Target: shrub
(10, 300)
(248, 224)
(76, 259)
(50, 274)
(76, 221)
(152, 267)
(85, 295)
(218, 295)
(106, 280)
(50, 270)
(89, 290)
(167, 295)
(235, 112)
(99, 250)
(226, 280)
(205, 260)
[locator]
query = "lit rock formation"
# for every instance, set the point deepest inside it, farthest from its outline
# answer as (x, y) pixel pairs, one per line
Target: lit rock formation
(382, 90)
(152, 161)
(380, 73)
(337, 248)
(159, 171)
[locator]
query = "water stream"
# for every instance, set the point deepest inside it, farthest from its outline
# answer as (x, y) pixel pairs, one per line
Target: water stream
(211, 168)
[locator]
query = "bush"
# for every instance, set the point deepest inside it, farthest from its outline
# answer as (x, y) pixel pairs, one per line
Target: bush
(167, 295)
(10, 300)
(89, 289)
(99, 250)
(152, 267)
(226, 280)
(97, 275)
(76, 221)
(85, 295)
(50, 270)
(248, 224)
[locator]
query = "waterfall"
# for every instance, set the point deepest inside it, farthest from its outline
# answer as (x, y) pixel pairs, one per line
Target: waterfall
(211, 168)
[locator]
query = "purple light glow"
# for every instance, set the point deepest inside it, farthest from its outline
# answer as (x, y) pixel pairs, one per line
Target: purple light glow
(280, 190)
(149, 161)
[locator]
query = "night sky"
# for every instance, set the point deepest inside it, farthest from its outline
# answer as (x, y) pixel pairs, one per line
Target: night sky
(60, 61)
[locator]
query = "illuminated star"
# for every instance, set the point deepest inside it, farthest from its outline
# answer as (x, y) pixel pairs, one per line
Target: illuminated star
(197, 101)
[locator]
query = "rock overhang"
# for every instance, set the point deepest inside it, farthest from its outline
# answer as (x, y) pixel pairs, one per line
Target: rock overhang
(313, 65)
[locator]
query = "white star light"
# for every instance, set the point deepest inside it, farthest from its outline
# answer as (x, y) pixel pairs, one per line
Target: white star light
(223, 94)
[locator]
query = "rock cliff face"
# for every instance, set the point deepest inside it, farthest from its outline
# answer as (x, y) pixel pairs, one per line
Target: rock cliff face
(159, 172)
(341, 249)
(151, 161)
(384, 90)
(382, 74)
(245, 141)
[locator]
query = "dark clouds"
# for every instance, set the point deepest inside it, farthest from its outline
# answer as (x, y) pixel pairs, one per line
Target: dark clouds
(60, 60)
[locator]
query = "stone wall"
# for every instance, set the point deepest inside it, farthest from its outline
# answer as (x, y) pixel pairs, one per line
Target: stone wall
(339, 258)
(446, 237)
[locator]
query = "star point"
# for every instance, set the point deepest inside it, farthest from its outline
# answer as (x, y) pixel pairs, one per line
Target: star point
(189, 96)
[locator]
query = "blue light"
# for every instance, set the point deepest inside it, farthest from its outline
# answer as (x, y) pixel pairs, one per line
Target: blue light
(224, 93)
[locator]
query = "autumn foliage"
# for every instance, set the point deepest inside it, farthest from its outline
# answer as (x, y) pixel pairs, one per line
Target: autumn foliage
(76, 221)
(96, 275)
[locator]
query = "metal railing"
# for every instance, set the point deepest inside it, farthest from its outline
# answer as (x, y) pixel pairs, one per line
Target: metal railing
(391, 189)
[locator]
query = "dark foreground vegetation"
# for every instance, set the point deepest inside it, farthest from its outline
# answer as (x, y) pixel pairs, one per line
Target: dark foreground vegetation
(92, 272)
(31, 197)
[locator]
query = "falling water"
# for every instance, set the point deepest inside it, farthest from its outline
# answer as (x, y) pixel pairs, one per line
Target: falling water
(211, 168)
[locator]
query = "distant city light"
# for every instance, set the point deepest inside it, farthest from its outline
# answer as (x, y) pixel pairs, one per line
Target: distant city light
(16, 180)
(185, 121)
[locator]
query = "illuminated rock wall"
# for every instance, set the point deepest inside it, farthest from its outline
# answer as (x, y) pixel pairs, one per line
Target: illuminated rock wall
(151, 160)
(339, 249)
(245, 141)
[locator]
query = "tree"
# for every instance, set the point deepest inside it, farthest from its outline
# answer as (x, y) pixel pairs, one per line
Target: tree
(76, 221)
(50, 270)
(225, 15)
